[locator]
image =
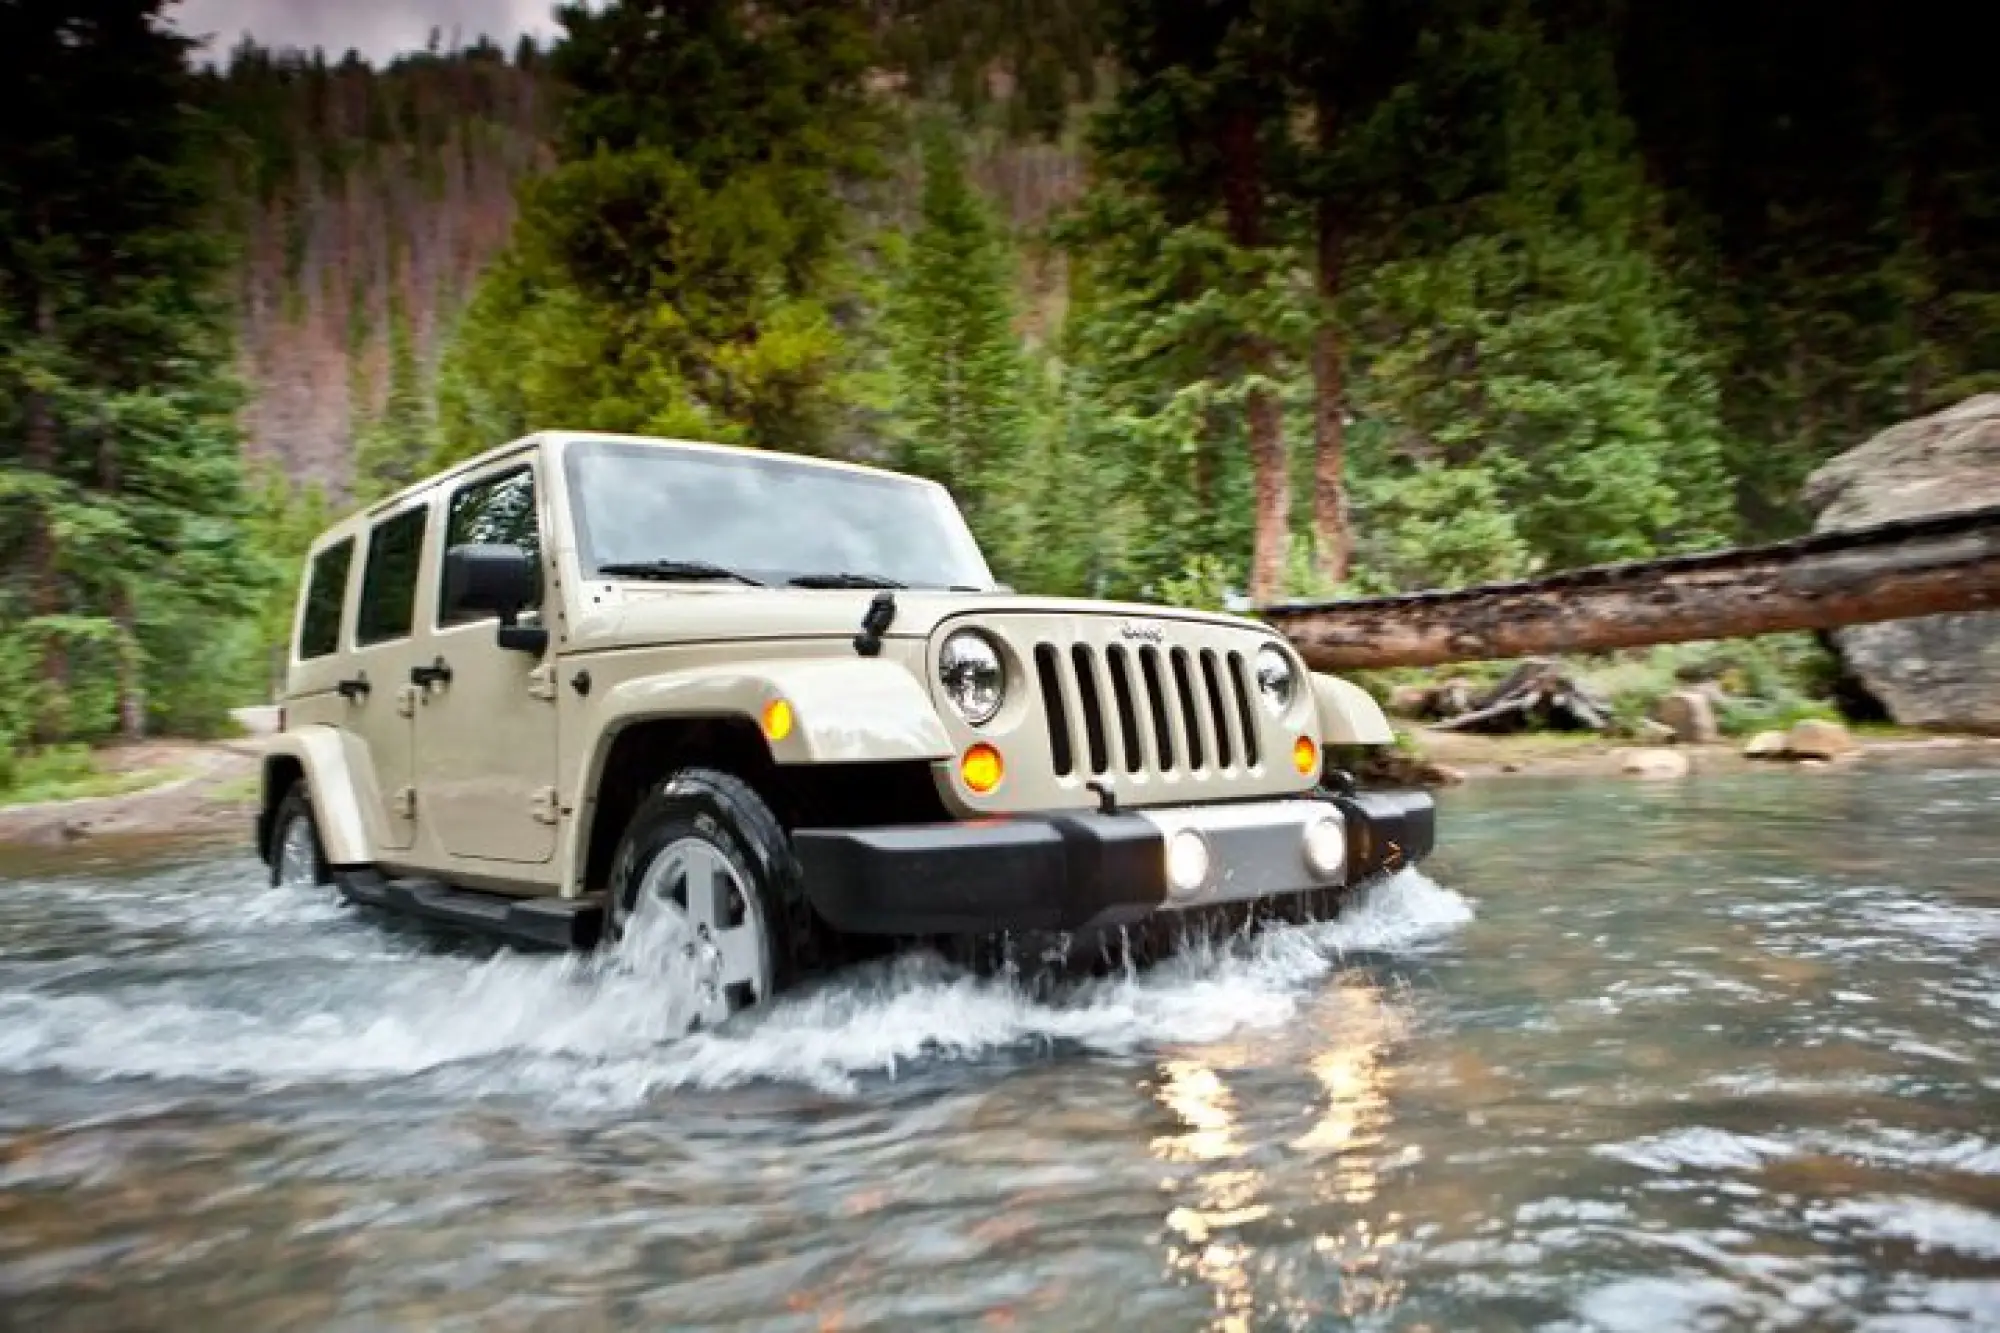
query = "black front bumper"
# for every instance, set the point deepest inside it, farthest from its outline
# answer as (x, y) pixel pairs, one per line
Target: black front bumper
(1052, 872)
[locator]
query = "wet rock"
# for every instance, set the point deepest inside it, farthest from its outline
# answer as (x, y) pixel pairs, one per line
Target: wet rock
(1765, 745)
(1653, 732)
(1934, 671)
(1815, 738)
(1690, 715)
(1409, 701)
(1653, 763)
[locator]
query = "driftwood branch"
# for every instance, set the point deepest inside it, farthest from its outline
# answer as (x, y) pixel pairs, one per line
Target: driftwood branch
(1893, 571)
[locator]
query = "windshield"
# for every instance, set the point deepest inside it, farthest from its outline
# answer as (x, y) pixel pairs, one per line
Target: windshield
(767, 518)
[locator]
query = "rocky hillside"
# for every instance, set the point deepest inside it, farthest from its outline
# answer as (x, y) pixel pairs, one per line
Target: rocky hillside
(367, 202)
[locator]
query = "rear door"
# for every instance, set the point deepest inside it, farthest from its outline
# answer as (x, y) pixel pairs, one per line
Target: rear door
(384, 706)
(486, 736)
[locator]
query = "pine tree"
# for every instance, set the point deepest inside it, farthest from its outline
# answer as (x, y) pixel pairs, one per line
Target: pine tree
(955, 356)
(678, 271)
(1527, 327)
(1198, 134)
(393, 450)
(118, 513)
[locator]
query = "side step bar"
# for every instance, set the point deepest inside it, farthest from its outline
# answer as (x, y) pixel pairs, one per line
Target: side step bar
(534, 923)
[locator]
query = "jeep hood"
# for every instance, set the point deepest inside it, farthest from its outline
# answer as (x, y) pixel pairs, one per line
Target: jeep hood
(643, 615)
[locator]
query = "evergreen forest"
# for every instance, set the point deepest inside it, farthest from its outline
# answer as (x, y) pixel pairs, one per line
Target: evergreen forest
(1236, 299)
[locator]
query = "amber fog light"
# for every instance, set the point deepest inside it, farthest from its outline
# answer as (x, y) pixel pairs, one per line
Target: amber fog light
(777, 719)
(982, 769)
(1325, 846)
(1305, 756)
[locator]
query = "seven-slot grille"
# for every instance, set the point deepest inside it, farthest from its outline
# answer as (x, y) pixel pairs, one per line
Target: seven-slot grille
(1146, 709)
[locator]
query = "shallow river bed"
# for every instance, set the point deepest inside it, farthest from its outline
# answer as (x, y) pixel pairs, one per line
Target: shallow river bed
(1722, 1054)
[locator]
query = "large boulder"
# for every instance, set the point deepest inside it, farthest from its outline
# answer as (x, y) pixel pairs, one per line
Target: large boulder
(1941, 672)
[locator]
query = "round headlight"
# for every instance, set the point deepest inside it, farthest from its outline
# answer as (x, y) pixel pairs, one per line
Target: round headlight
(1277, 680)
(973, 676)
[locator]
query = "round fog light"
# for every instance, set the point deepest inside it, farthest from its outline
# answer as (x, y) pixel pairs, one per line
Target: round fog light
(1187, 861)
(1326, 846)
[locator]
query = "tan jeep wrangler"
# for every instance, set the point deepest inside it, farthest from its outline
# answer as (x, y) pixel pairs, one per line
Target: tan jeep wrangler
(768, 703)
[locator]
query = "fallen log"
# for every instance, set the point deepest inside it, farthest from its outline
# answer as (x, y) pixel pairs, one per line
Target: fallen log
(1892, 571)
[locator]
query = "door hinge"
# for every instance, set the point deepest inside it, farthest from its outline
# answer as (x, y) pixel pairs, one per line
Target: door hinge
(406, 700)
(404, 803)
(542, 682)
(544, 806)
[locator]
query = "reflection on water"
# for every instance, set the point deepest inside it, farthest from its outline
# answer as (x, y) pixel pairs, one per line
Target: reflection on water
(1723, 1054)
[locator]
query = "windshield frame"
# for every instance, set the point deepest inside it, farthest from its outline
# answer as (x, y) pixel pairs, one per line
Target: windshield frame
(578, 452)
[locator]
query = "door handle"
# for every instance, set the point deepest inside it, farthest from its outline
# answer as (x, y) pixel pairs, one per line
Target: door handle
(355, 689)
(437, 673)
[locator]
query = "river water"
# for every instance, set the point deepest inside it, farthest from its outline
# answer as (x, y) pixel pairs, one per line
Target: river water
(1714, 1054)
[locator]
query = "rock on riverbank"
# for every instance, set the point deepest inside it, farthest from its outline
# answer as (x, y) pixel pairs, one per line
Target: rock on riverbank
(1936, 672)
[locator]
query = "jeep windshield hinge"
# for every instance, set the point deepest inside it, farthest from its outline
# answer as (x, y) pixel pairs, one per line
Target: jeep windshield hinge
(544, 806)
(875, 623)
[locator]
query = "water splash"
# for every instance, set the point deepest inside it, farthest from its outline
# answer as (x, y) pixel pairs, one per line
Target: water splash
(367, 1006)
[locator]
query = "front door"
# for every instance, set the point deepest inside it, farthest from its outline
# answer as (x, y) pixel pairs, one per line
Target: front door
(486, 735)
(382, 710)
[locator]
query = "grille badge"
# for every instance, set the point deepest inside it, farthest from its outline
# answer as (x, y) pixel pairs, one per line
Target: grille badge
(1135, 629)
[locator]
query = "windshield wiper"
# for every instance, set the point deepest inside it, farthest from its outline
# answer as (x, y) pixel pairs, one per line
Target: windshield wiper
(692, 570)
(844, 581)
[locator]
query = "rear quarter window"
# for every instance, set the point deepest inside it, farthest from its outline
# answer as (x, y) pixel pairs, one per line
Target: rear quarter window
(326, 589)
(389, 579)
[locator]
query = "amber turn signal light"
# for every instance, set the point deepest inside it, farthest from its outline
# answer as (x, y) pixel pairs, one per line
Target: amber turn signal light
(777, 720)
(1305, 756)
(981, 768)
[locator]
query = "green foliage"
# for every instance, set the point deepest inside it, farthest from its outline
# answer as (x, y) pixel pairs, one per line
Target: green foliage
(1536, 341)
(1766, 682)
(677, 272)
(119, 512)
(959, 374)
(1205, 583)
(1437, 526)
(65, 773)
(394, 449)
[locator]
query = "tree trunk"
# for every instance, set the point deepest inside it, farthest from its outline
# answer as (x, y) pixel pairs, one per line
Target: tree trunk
(1243, 203)
(1330, 533)
(1893, 571)
(131, 685)
(1273, 486)
(38, 452)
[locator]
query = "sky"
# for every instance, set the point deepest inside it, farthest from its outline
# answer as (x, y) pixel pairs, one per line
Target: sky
(378, 29)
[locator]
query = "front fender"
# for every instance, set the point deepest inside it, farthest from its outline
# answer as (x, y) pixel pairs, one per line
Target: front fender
(858, 710)
(1348, 714)
(341, 782)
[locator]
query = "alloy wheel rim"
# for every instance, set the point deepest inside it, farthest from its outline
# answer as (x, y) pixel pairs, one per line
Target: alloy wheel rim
(693, 898)
(298, 855)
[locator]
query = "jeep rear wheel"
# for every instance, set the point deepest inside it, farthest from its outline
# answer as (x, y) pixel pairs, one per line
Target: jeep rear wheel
(297, 861)
(706, 876)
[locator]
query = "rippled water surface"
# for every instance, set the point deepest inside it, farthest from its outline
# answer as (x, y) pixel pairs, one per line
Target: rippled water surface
(1718, 1054)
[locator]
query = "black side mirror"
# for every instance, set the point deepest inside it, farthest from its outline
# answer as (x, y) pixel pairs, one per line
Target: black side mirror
(490, 579)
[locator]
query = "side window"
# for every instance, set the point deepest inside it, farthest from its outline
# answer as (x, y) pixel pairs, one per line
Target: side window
(319, 627)
(495, 510)
(389, 579)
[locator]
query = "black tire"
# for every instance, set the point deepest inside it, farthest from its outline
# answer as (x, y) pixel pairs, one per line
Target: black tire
(731, 817)
(296, 805)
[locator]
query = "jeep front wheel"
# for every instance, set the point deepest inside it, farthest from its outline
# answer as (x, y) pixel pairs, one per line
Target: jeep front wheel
(705, 882)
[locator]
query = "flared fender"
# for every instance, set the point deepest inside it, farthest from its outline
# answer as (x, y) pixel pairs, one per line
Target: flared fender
(342, 782)
(858, 710)
(1348, 714)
